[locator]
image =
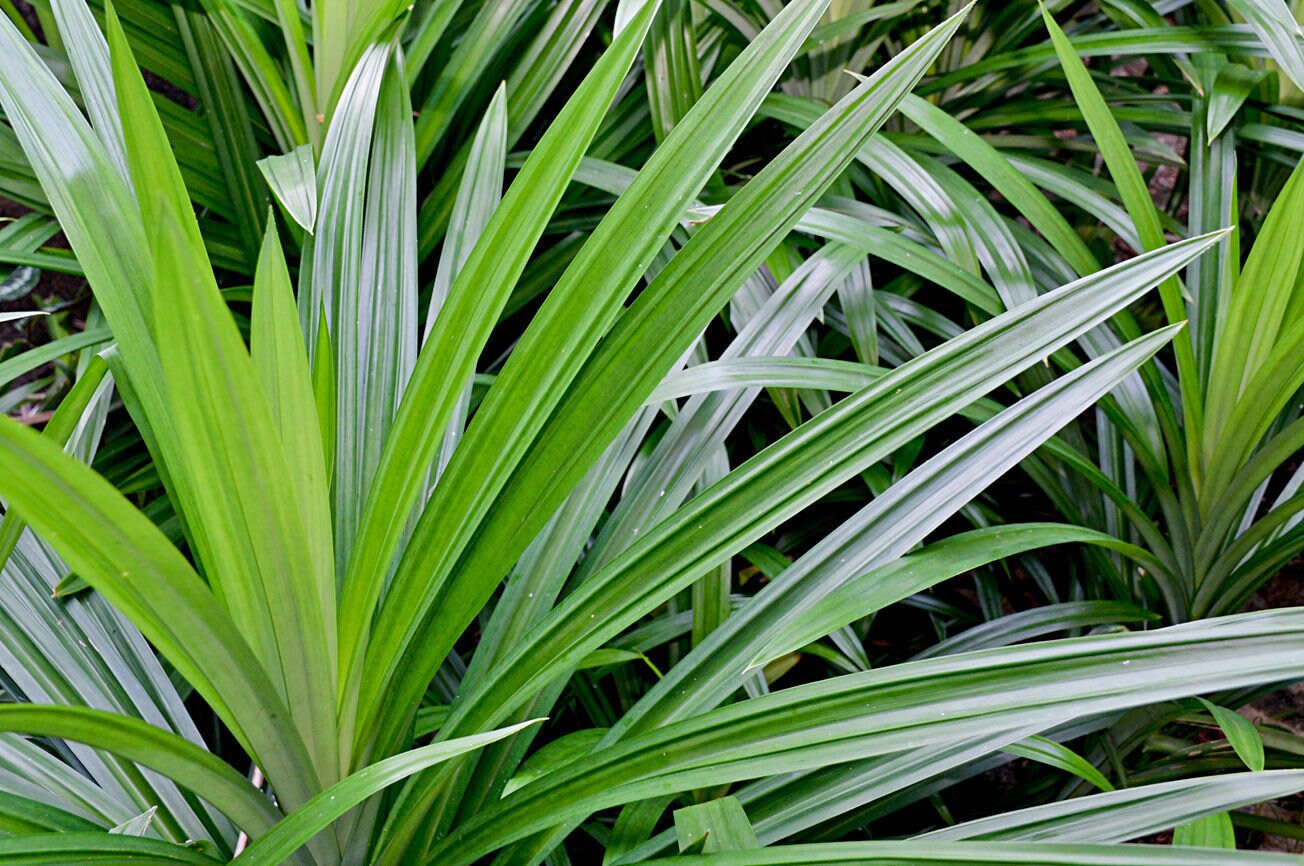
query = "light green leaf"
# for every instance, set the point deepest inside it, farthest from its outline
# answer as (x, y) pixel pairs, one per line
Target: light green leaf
(293, 179)
(317, 814)
(717, 825)
(1059, 756)
(1211, 831)
(1230, 89)
(558, 754)
(281, 363)
(246, 523)
(127, 559)
(1259, 315)
(1241, 733)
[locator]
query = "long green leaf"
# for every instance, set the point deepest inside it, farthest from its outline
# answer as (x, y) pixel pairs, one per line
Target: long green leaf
(878, 587)
(317, 814)
(974, 854)
(1117, 816)
(1057, 755)
(68, 849)
(660, 325)
(364, 273)
(901, 707)
(253, 536)
(178, 759)
(125, 557)
(1140, 206)
(450, 352)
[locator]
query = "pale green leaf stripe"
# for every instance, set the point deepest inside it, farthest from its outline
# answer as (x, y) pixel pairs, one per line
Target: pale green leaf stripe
(643, 344)
(341, 179)
(478, 196)
(762, 372)
(317, 814)
(364, 274)
(1117, 816)
(173, 756)
(375, 339)
(980, 854)
(905, 706)
(21, 314)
